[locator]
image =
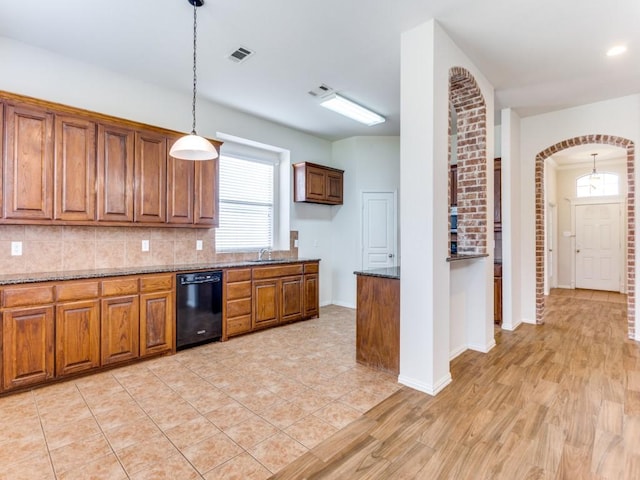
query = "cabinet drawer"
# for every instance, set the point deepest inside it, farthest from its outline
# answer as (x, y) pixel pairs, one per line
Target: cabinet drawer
(238, 290)
(119, 286)
(238, 325)
(240, 275)
(23, 296)
(236, 308)
(156, 283)
(310, 268)
(279, 271)
(77, 291)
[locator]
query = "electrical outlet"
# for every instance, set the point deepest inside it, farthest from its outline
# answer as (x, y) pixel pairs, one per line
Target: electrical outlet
(145, 245)
(198, 244)
(295, 243)
(16, 249)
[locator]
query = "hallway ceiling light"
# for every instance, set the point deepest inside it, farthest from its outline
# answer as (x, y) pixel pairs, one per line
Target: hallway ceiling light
(351, 109)
(192, 146)
(616, 50)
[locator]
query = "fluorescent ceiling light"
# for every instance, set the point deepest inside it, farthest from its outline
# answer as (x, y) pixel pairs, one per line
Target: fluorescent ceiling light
(352, 110)
(616, 50)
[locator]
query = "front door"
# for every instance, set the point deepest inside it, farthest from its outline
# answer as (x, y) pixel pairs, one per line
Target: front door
(379, 230)
(598, 249)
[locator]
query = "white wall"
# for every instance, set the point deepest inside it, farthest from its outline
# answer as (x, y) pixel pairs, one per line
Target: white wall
(511, 220)
(370, 164)
(620, 117)
(425, 288)
(38, 73)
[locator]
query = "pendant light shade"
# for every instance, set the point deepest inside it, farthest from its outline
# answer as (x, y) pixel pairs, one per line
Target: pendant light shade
(193, 146)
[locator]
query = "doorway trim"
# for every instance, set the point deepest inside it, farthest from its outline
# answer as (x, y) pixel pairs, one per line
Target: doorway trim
(613, 140)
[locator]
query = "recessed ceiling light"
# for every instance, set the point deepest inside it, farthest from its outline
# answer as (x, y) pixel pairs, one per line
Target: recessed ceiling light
(616, 50)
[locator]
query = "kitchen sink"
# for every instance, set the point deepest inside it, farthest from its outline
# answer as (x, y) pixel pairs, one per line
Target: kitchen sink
(265, 261)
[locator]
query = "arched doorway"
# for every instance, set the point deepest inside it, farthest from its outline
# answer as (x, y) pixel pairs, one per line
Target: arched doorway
(629, 146)
(469, 112)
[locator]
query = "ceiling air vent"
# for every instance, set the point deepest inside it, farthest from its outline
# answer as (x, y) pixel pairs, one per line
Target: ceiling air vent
(240, 54)
(321, 91)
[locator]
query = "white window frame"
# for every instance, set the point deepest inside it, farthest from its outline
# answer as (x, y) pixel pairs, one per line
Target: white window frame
(249, 150)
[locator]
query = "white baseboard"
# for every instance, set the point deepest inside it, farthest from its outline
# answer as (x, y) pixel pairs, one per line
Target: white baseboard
(483, 348)
(457, 351)
(567, 287)
(432, 390)
(510, 327)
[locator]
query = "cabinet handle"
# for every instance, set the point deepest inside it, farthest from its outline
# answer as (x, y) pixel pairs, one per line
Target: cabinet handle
(391, 255)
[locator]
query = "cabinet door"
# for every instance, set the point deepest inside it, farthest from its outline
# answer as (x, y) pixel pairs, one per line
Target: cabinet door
(156, 323)
(1, 158)
(497, 300)
(27, 346)
(180, 189)
(497, 194)
(292, 300)
(75, 168)
(207, 192)
(28, 163)
(334, 187)
(77, 336)
(115, 174)
(453, 181)
(119, 329)
(316, 183)
(150, 178)
(311, 286)
(265, 303)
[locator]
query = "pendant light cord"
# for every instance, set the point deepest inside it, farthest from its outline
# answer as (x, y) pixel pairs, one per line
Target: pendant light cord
(195, 77)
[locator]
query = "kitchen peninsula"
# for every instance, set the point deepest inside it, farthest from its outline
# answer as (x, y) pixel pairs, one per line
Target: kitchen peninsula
(378, 319)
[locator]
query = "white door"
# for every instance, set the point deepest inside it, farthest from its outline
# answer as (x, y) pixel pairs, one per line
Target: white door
(598, 249)
(379, 230)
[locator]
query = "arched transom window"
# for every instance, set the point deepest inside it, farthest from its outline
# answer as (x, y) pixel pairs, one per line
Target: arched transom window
(598, 185)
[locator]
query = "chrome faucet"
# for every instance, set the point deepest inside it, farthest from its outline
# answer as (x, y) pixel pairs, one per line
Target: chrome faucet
(262, 252)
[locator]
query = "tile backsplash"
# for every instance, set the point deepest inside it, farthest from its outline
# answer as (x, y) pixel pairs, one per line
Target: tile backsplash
(66, 248)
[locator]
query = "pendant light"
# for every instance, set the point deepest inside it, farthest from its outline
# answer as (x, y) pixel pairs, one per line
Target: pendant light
(594, 178)
(193, 146)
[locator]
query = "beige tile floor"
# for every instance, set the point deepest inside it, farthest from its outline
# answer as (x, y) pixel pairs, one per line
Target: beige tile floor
(241, 409)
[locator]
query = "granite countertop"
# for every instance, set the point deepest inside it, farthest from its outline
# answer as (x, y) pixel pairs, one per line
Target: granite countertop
(390, 272)
(456, 257)
(12, 279)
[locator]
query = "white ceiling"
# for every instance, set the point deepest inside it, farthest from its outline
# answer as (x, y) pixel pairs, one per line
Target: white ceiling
(540, 56)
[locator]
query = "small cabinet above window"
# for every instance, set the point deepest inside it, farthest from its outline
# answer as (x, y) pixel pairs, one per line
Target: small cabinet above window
(314, 183)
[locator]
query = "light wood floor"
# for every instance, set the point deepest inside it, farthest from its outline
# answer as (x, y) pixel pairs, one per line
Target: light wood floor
(558, 401)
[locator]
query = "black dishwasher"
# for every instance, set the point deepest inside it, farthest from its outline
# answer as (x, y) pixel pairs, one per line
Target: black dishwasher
(198, 308)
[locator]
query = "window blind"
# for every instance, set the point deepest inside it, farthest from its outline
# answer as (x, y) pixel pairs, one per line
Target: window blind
(246, 204)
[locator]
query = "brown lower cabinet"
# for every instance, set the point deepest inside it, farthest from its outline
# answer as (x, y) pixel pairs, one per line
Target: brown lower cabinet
(266, 296)
(77, 337)
(119, 329)
(27, 346)
(54, 330)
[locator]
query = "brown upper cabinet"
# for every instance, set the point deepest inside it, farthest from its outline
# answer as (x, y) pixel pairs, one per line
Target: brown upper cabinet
(28, 163)
(115, 173)
(67, 166)
(314, 183)
(150, 178)
(75, 168)
(497, 196)
(453, 185)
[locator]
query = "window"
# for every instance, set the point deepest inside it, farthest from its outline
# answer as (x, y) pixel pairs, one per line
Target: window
(247, 213)
(598, 185)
